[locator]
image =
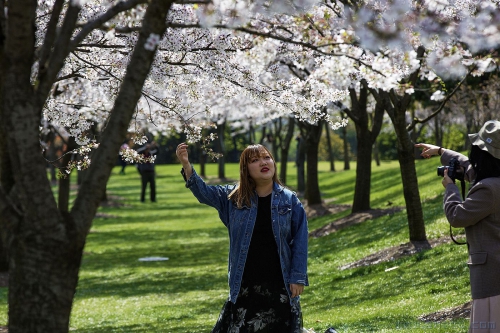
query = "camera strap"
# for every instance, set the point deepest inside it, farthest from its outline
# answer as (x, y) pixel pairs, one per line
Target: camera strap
(462, 183)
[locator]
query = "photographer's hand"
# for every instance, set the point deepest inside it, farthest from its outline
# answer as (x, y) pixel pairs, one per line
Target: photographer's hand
(446, 180)
(429, 150)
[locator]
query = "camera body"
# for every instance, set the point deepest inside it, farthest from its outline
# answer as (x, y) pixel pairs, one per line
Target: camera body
(454, 170)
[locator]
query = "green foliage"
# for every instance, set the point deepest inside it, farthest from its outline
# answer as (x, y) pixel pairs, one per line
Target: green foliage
(454, 137)
(119, 293)
(337, 147)
(387, 142)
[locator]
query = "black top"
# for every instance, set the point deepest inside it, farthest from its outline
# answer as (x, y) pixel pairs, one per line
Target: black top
(262, 304)
(263, 261)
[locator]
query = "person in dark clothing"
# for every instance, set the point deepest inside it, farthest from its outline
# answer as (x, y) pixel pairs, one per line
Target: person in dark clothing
(147, 171)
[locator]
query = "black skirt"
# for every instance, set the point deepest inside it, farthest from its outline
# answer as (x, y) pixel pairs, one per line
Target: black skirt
(263, 305)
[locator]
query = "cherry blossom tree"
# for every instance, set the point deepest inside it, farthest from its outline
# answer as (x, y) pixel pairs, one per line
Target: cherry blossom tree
(136, 65)
(119, 66)
(395, 45)
(44, 243)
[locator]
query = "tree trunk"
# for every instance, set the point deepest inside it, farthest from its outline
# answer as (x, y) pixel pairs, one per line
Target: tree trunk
(251, 134)
(347, 166)
(376, 153)
(221, 149)
(63, 193)
(6, 180)
(329, 144)
(203, 160)
(313, 136)
(300, 162)
(65, 183)
(412, 195)
(406, 157)
(438, 132)
(44, 279)
(375, 145)
(45, 244)
(285, 148)
(44, 254)
(365, 137)
(277, 138)
(263, 135)
(361, 200)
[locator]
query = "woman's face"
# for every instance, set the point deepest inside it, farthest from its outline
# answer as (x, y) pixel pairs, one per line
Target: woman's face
(261, 168)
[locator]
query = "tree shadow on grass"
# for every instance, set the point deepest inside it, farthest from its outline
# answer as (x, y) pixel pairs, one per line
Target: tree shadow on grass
(381, 261)
(352, 219)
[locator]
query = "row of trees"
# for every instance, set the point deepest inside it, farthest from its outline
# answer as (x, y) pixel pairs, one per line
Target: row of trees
(102, 69)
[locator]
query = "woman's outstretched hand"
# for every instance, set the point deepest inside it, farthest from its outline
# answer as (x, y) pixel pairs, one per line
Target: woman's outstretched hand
(182, 155)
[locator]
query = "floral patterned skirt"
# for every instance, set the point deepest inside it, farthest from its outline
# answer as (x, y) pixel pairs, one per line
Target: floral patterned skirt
(261, 308)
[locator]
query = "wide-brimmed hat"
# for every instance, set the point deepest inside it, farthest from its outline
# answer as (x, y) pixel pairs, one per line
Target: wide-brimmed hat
(488, 138)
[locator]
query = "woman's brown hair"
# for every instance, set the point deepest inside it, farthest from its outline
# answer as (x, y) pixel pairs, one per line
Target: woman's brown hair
(242, 194)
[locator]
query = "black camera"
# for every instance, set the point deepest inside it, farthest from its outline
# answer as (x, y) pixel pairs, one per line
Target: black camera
(454, 170)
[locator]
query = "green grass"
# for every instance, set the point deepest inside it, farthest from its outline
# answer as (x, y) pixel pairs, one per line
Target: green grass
(118, 293)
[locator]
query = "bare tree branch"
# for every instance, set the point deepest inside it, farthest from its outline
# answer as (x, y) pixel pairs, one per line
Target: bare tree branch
(121, 6)
(50, 36)
(58, 55)
(416, 121)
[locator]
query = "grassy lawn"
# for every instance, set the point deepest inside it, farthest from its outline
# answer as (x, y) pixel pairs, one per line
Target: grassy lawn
(119, 293)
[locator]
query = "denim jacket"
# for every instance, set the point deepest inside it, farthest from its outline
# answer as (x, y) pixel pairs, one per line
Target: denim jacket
(289, 223)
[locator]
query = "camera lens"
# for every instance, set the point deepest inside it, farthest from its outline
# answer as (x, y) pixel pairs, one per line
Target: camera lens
(440, 171)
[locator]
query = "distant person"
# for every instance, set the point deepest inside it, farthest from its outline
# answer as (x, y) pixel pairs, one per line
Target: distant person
(268, 236)
(268, 142)
(479, 214)
(125, 145)
(147, 171)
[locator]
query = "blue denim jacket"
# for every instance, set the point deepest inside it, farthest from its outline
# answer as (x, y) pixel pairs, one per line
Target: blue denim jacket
(289, 224)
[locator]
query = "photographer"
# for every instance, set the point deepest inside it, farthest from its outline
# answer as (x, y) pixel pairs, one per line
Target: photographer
(479, 214)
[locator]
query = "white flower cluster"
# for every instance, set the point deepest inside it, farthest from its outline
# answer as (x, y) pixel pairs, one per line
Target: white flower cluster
(131, 156)
(79, 163)
(202, 76)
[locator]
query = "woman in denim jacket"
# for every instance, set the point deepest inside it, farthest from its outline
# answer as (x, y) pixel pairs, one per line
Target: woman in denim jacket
(267, 228)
